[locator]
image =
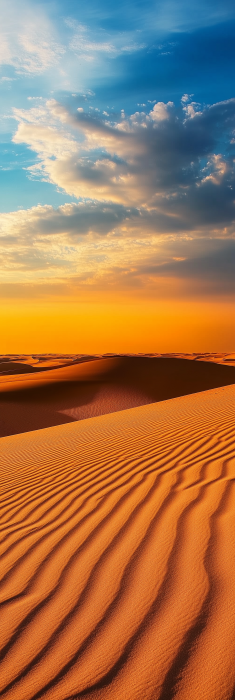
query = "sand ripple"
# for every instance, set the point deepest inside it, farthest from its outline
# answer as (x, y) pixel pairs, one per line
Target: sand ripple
(118, 555)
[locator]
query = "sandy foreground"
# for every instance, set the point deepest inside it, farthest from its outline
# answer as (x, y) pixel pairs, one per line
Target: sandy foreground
(118, 554)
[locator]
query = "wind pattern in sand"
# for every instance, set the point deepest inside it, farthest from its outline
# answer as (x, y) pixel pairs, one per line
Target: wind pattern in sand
(118, 555)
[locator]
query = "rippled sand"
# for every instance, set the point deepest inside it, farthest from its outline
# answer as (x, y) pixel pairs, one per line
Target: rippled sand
(118, 555)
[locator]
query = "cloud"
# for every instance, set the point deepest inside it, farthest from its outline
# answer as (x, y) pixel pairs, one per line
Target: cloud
(207, 267)
(155, 201)
(217, 168)
(73, 220)
(192, 109)
(5, 79)
(89, 44)
(186, 98)
(28, 39)
(82, 44)
(75, 238)
(160, 111)
(165, 163)
(34, 41)
(93, 246)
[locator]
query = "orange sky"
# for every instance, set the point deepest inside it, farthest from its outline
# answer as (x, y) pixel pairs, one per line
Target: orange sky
(139, 326)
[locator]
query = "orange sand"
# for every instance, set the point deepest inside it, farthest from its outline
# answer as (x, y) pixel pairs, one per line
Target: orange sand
(117, 555)
(57, 390)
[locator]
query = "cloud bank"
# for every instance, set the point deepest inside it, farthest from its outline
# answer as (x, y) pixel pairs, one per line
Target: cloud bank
(176, 164)
(154, 198)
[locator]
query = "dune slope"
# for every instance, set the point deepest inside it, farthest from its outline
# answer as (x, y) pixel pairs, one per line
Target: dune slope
(33, 400)
(117, 555)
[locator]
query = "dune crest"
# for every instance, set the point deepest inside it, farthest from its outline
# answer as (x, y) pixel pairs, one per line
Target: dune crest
(117, 551)
(44, 395)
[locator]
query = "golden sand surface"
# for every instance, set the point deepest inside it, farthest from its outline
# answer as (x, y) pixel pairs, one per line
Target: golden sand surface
(118, 555)
(62, 389)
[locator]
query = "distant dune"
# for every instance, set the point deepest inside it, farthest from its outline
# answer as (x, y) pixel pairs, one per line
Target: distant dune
(15, 368)
(117, 549)
(59, 390)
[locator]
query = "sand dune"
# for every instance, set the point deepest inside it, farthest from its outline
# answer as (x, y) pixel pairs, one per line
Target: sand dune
(46, 394)
(117, 554)
(15, 368)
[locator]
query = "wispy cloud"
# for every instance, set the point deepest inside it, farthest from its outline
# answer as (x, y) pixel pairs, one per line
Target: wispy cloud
(88, 248)
(5, 79)
(89, 44)
(28, 40)
(32, 44)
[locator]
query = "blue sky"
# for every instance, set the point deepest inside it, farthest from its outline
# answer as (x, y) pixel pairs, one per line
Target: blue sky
(117, 144)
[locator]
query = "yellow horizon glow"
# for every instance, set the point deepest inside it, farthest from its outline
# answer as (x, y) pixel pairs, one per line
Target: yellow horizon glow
(101, 327)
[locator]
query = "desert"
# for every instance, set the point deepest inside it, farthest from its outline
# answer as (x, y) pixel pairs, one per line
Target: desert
(117, 527)
(117, 350)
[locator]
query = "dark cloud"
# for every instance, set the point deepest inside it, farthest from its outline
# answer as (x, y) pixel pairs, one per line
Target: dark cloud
(179, 160)
(175, 165)
(175, 150)
(83, 218)
(208, 266)
(195, 268)
(187, 159)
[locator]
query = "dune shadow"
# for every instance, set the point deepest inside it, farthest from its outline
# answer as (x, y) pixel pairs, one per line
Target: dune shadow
(106, 386)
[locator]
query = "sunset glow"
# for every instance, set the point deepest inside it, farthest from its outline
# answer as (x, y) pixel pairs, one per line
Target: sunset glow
(119, 326)
(117, 177)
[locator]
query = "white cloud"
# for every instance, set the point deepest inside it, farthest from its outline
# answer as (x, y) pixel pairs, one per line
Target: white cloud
(192, 110)
(217, 168)
(88, 45)
(186, 98)
(27, 39)
(39, 130)
(160, 111)
(4, 79)
(82, 44)
(34, 43)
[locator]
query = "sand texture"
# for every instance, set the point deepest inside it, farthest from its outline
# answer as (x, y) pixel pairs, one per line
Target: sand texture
(118, 555)
(40, 392)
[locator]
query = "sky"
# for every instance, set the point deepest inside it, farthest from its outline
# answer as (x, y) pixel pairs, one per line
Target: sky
(117, 176)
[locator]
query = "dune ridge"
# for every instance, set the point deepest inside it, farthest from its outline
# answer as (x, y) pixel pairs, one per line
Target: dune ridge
(42, 396)
(117, 555)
